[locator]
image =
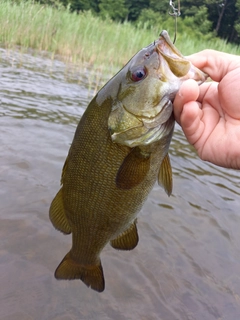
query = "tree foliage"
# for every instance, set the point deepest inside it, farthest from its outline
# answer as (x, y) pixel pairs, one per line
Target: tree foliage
(220, 17)
(116, 10)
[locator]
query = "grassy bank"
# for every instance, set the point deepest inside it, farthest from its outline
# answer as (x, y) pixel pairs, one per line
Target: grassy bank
(85, 38)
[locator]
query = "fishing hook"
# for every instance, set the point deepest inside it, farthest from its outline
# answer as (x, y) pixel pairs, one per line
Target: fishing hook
(176, 13)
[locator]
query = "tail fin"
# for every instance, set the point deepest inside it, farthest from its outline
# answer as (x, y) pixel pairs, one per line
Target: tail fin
(92, 276)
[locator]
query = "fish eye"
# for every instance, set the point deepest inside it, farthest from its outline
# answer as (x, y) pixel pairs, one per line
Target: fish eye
(138, 74)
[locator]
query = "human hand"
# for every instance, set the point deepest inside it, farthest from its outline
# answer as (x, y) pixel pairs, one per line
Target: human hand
(209, 114)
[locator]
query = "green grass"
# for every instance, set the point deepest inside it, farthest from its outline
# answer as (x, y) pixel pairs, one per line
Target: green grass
(85, 38)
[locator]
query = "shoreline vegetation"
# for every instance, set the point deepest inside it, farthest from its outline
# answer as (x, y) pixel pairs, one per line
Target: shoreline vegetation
(85, 39)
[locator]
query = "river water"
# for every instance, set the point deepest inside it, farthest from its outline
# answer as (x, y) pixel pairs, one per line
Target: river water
(187, 263)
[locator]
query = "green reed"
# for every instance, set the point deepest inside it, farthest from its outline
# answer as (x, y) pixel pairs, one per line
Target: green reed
(84, 38)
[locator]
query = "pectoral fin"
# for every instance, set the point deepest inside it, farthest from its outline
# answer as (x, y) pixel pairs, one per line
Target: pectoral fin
(133, 170)
(57, 214)
(165, 175)
(127, 240)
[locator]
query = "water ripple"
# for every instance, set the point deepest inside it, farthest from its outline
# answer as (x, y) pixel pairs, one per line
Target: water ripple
(187, 263)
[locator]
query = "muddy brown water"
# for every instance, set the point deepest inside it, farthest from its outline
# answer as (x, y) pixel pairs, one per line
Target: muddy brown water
(187, 263)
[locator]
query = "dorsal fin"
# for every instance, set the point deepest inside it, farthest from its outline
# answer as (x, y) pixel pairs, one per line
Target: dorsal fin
(57, 214)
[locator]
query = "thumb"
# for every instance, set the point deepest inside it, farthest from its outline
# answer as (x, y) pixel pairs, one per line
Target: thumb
(189, 91)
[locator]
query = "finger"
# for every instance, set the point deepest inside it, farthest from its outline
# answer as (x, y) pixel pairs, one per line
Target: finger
(189, 91)
(191, 123)
(215, 63)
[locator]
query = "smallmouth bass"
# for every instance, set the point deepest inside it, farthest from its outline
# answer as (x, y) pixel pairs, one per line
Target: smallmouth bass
(119, 150)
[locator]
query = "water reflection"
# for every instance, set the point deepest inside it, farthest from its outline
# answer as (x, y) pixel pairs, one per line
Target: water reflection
(187, 263)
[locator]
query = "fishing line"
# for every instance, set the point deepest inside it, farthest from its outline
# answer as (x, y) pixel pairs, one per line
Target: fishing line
(175, 13)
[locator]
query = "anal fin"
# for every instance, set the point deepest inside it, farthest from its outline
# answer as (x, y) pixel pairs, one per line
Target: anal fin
(127, 240)
(91, 275)
(57, 214)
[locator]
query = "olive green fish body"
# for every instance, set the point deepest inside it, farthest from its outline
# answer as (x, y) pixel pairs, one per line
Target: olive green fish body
(96, 210)
(119, 150)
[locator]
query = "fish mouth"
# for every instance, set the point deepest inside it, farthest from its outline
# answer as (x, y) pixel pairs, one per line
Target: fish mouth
(166, 47)
(181, 67)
